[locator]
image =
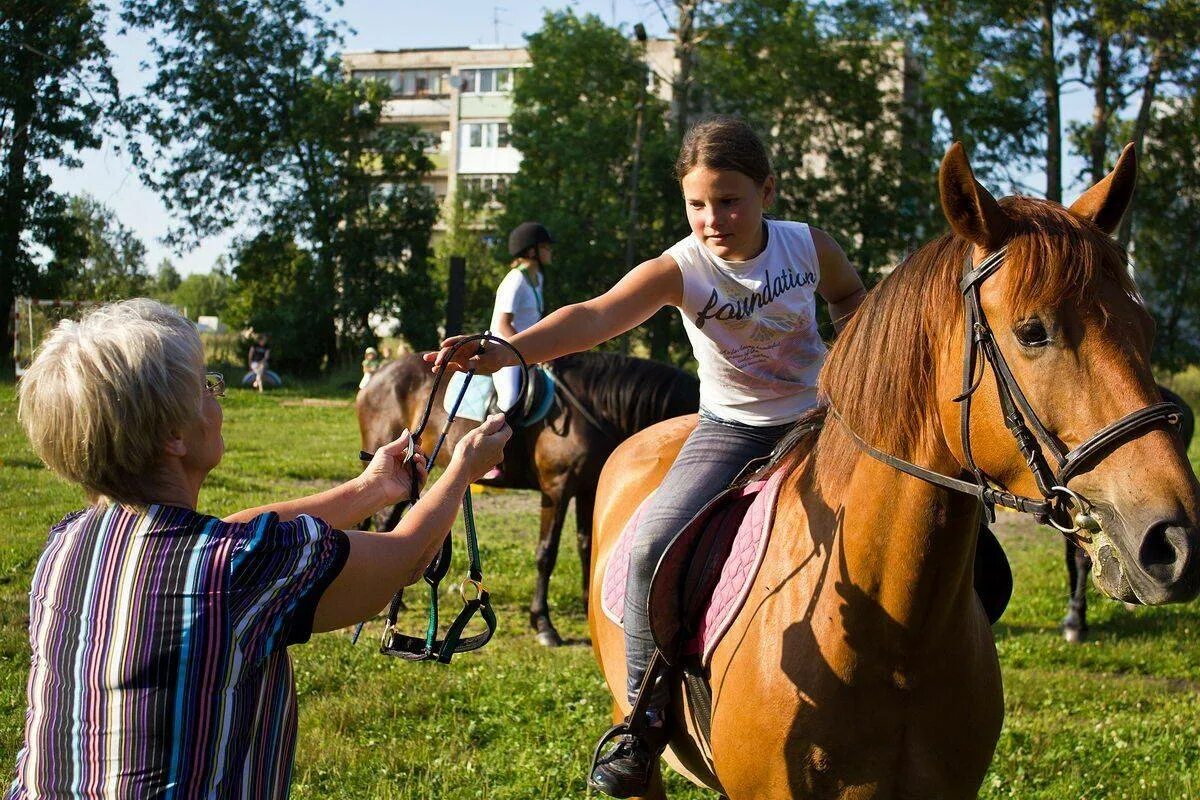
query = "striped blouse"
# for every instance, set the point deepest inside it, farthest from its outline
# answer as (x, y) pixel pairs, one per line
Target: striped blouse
(159, 653)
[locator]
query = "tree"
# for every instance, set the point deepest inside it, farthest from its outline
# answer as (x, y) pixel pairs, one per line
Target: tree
(1131, 51)
(574, 121)
(1167, 229)
(166, 280)
(110, 266)
(203, 294)
(277, 291)
(55, 87)
(254, 124)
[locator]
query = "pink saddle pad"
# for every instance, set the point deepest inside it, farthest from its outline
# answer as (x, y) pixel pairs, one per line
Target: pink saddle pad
(749, 544)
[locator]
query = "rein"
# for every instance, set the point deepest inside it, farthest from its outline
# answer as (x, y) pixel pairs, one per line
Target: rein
(476, 598)
(1055, 506)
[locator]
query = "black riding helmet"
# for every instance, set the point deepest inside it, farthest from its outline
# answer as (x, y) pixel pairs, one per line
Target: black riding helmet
(527, 235)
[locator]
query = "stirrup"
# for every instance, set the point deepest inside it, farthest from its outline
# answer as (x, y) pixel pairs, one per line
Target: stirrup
(635, 723)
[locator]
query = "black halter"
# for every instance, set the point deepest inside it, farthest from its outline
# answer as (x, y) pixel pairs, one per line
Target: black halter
(1057, 499)
(476, 599)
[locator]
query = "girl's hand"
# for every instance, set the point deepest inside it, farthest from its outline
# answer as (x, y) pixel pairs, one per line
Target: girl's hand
(494, 357)
(482, 448)
(389, 475)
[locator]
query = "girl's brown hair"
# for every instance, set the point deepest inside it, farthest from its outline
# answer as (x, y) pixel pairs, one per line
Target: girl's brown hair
(724, 143)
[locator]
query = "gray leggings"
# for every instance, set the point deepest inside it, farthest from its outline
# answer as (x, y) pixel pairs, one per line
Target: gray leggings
(710, 460)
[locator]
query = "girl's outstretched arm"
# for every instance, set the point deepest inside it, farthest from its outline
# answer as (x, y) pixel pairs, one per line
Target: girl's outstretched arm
(839, 285)
(633, 300)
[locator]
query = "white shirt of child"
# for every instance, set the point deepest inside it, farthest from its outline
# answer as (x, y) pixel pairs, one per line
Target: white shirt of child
(518, 297)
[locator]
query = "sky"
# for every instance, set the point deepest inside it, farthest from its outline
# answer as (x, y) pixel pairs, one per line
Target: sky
(109, 176)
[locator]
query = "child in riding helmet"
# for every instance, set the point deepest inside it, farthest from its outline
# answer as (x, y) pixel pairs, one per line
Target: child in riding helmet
(746, 288)
(519, 304)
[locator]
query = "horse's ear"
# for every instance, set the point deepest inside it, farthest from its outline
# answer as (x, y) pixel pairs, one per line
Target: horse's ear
(1105, 203)
(969, 208)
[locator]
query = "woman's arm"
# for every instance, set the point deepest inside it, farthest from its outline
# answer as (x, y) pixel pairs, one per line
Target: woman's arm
(380, 563)
(385, 481)
(580, 326)
(840, 286)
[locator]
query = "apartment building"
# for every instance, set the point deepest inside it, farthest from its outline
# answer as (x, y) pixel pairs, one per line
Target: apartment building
(462, 96)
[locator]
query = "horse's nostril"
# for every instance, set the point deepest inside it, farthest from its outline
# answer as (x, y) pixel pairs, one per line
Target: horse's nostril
(1164, 552)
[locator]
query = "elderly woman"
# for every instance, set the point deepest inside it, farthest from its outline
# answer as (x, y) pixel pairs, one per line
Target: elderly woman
(159, 633)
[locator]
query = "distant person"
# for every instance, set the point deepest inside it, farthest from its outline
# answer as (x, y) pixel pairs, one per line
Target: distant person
(519, 303)
(160, 634)
(258, 357)
(370, 365)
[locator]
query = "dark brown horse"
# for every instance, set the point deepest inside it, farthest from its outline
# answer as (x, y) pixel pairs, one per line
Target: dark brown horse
(862, 664)
(561, 456)
(1079, 563)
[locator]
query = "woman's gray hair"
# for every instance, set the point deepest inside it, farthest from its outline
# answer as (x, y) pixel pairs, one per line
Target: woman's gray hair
(103, 395)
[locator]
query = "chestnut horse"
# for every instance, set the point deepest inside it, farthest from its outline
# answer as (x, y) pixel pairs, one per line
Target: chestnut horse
(862, 665)
(560, 457)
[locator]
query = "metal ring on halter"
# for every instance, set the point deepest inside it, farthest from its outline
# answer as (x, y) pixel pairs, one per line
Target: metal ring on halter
(477, 585)
(1058, 492)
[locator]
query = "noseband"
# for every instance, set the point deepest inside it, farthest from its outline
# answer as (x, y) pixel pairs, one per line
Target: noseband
(1055, 507)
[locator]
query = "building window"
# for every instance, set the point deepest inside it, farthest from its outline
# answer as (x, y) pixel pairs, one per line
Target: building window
(486, 134)
(483, 81)
(486, 185)
(409, 82)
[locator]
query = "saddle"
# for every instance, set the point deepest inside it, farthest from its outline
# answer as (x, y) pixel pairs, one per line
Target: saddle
(480, 399)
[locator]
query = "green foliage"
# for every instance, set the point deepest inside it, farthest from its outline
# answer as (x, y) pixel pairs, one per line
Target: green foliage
(254, 125)
(469, 233)
(574, 122)
(166, 279)
(280, 290)
(203, 293)
(1167, 233)
(55, 88)
(110, 265)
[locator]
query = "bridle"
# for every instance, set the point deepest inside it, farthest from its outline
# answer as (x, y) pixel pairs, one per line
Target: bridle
(476, 598)
(1057, 501)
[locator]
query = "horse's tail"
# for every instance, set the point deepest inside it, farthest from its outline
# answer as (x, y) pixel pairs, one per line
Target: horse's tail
(628, 394)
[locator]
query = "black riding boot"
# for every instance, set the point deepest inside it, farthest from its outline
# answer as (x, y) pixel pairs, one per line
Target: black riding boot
(627, 769)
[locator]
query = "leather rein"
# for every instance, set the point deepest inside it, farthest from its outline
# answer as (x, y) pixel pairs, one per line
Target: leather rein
(476, 598)
(1055, 505)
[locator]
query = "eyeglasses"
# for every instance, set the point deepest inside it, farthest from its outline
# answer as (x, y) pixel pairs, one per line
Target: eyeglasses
(214, 384)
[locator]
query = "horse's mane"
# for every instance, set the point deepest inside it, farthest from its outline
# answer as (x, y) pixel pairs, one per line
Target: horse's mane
(627, 393)
(880, 372)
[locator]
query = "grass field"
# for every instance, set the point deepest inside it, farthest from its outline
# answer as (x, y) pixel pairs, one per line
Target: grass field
(1114, 718)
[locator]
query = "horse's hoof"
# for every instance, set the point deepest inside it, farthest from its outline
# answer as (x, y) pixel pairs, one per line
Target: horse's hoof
(549, 638)
(1074, 635)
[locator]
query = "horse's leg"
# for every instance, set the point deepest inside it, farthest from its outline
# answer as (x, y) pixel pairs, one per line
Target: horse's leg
(585, 505)
(1079, 565)
(554, 510)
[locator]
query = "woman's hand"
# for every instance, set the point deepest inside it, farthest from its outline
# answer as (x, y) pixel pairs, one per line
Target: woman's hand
(492, 358)
(389, 475)
(482, 448)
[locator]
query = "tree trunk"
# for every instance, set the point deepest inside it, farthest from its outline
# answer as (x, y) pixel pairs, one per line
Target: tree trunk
(1051, 89)
(14, 211)
(1140, 126)
(1102, 111)
(685, 50)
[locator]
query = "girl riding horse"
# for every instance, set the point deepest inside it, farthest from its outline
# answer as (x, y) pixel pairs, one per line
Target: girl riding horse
(746, 289)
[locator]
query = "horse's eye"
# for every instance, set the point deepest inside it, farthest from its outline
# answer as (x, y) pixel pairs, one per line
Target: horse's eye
(1031, 333)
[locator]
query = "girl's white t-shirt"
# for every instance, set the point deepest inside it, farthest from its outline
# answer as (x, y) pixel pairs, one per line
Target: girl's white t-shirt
(753, 326)
(517, 297)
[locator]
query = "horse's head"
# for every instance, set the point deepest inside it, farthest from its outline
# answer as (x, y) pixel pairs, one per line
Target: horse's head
(1076, 337)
